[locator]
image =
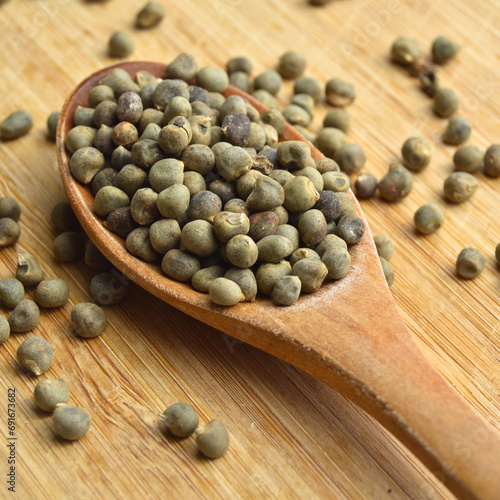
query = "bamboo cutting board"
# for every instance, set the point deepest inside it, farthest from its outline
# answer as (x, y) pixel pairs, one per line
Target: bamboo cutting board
(291, 436)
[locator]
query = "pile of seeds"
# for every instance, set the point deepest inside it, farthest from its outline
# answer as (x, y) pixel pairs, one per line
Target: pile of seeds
(202, 183)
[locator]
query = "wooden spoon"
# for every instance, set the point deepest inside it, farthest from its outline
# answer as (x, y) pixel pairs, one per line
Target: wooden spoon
(349, 335)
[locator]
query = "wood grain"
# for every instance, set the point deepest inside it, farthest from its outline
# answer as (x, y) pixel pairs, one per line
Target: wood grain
(292, 437)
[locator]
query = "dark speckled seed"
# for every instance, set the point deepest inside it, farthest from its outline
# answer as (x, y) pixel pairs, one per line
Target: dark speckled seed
(329, 204)
(350, 228)
(131, 178)
(121, 222)
(236, 129)
(365, 186)
(204, 205)
(396, 184)
(143, 206)
(146, 153)
(180, 265)
(139, 244)
(105, 177)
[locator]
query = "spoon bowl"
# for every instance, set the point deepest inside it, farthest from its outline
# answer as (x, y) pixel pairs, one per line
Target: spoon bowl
(349, 334)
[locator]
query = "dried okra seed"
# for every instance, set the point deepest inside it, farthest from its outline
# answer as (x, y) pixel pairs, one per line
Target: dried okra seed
(329, 140)
(396, 184)
(350, 228)
(365, 185)
(25, 317)
(212, 79)
(443, 49)
(213, 439)
(428, 218)
(338, 118)
(180, 265)
(88, 320)
(150, 15)
(16, 125)
(71, 422)
(9, 208)
(11, 292)
(107, 289)
(338, 262)
(29, 272)
(459, 187)
(468, 158)
(446, 102)
(52, 293)
(35, 354)
(4, 329)
(52, 122)
(183, 67)
(225, 292)
(417, 153)
(63, 217)
(120, 44)
(405, 51)
(68, 246)
(245, 279)
(388, 271)
(311, 273)
(492, 161)
(384, 246)
(470, 262)
(10, 231)
(201, 279)
(291, 64)
(51, 392)
(339, 93)
(457, 131)
(286, 291)
(181, 419)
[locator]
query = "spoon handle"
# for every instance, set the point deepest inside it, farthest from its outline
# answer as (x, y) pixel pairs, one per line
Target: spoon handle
(404, 392)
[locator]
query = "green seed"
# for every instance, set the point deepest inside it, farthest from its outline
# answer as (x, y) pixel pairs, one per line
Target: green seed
(274, 248)
(225, 292)
(468, 158)
(266, 194)
(459, 187)
(428, 218)
(183, 67)
(239, 63)
(143, 206)
(84, 116)
(267, 99)
(338, 118)
(293, 155)
(338, 261)
(308, 85)
(181, 419)
(63, 217)
(324, 165)
(29, 272)
(446, 102)
(303, 253)
(269, 273)
(470, 262)
(109, 198)
(35, 354)
(340, 93)
(212, 79)
(51, 392)
(52, 122)
(492, 161)
(94, 258)
(396, 184)
(311, 273)
(417, 153)
(286, 291)
(88, 320)
(201, 279)
(180, 265)
(305, 101)
(297, 115)
(71, 422)
(69, 246)
(107, 289)
(99, 94)
(291, 64)
(405, 51)
(9, 208)
(11, 292)
(120, 44)
(245, 279)
(85, 163)
(199, 237)
(81, 137)
(269, 80)
(213, 439)
(165, 235)
(138, 243)
(338, 182)
(300, 194)
(330, 241)
(388, 271)
(242, 251)
(4, 330)
(233, 162)
(384, 246)
(346, 204)
(52, 293)
(16, 125)
(312, 227)
(150, 15)
(443, 49)
(228, 224)
(329, 140)
(457, 131)
(10, 231)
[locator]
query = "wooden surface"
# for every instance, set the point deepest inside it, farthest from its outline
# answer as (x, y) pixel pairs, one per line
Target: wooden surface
(292, 437)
